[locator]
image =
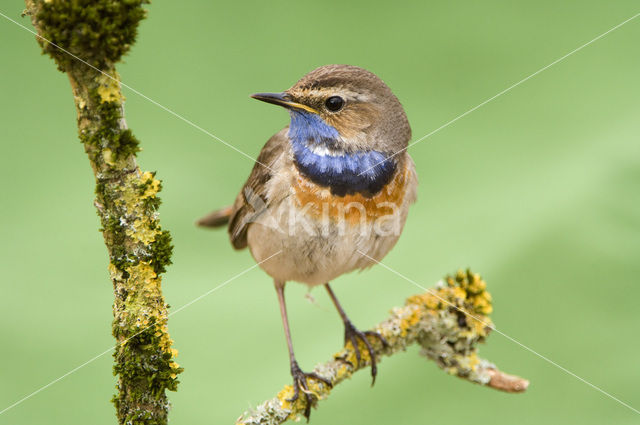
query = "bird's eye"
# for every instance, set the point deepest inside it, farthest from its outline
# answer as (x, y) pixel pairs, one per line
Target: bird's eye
(334, 103)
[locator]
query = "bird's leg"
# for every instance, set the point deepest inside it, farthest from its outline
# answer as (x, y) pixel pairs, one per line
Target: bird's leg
(299, 377)
(352, 334)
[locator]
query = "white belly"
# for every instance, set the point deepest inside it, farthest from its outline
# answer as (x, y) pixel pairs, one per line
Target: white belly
(315, 251)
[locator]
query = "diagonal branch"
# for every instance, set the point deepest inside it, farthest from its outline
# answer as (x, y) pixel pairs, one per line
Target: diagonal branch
(447, 322)
(87, 38)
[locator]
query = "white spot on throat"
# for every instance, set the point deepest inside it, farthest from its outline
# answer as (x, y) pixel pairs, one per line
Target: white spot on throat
(357, 143)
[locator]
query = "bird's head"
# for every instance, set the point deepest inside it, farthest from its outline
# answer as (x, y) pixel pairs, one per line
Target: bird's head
(344, 108)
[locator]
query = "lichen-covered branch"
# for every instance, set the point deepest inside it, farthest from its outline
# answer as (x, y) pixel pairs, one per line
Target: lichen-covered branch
(99, 32)
(447, 322)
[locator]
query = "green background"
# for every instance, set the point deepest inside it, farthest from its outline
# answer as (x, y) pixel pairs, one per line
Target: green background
(539, 191)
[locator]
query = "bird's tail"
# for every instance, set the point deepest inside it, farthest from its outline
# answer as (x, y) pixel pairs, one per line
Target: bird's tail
(217, 218)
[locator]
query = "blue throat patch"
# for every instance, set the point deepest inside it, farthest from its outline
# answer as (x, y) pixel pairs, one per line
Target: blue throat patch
(365, 172)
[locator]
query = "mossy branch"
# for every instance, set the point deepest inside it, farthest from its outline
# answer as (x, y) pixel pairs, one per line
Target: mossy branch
(99, 32)
(447, 322)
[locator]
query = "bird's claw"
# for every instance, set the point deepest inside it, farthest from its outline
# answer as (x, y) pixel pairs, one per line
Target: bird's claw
(352, 335)
(300, 385)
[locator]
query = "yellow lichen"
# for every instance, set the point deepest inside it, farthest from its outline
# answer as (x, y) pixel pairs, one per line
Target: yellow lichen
(284, 395)
(479, 326)
(483, 304)
(427, 300)
(351, 353)
(477, 285)
(142, 232)
(152, 188)
(460, 293)
(148, 285)
(431, 302)
(474, 361)
(317, 390)
(130, 195)
(343, 371)
(109, 89)
(410, 319)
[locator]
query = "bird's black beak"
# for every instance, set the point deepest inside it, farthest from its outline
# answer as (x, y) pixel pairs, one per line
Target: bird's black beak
(282, 99)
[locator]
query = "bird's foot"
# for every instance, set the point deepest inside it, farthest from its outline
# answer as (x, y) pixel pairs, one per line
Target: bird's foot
(352, 335)
(300, 385)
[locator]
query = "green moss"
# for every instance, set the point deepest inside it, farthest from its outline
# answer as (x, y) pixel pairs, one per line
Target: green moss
(108, 134)
(100, 190)
(151, 203)
(161, 250)
(104, 195)
(148, 372)
(125, 144)
(97, 31)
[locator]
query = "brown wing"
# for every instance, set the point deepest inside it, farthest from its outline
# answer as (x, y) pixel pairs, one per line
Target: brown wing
(253, 196)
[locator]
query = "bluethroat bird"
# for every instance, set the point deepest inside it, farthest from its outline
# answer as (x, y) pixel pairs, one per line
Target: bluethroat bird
(328, 194)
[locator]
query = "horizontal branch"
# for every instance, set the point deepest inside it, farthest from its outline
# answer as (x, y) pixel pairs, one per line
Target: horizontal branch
(447, 322)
